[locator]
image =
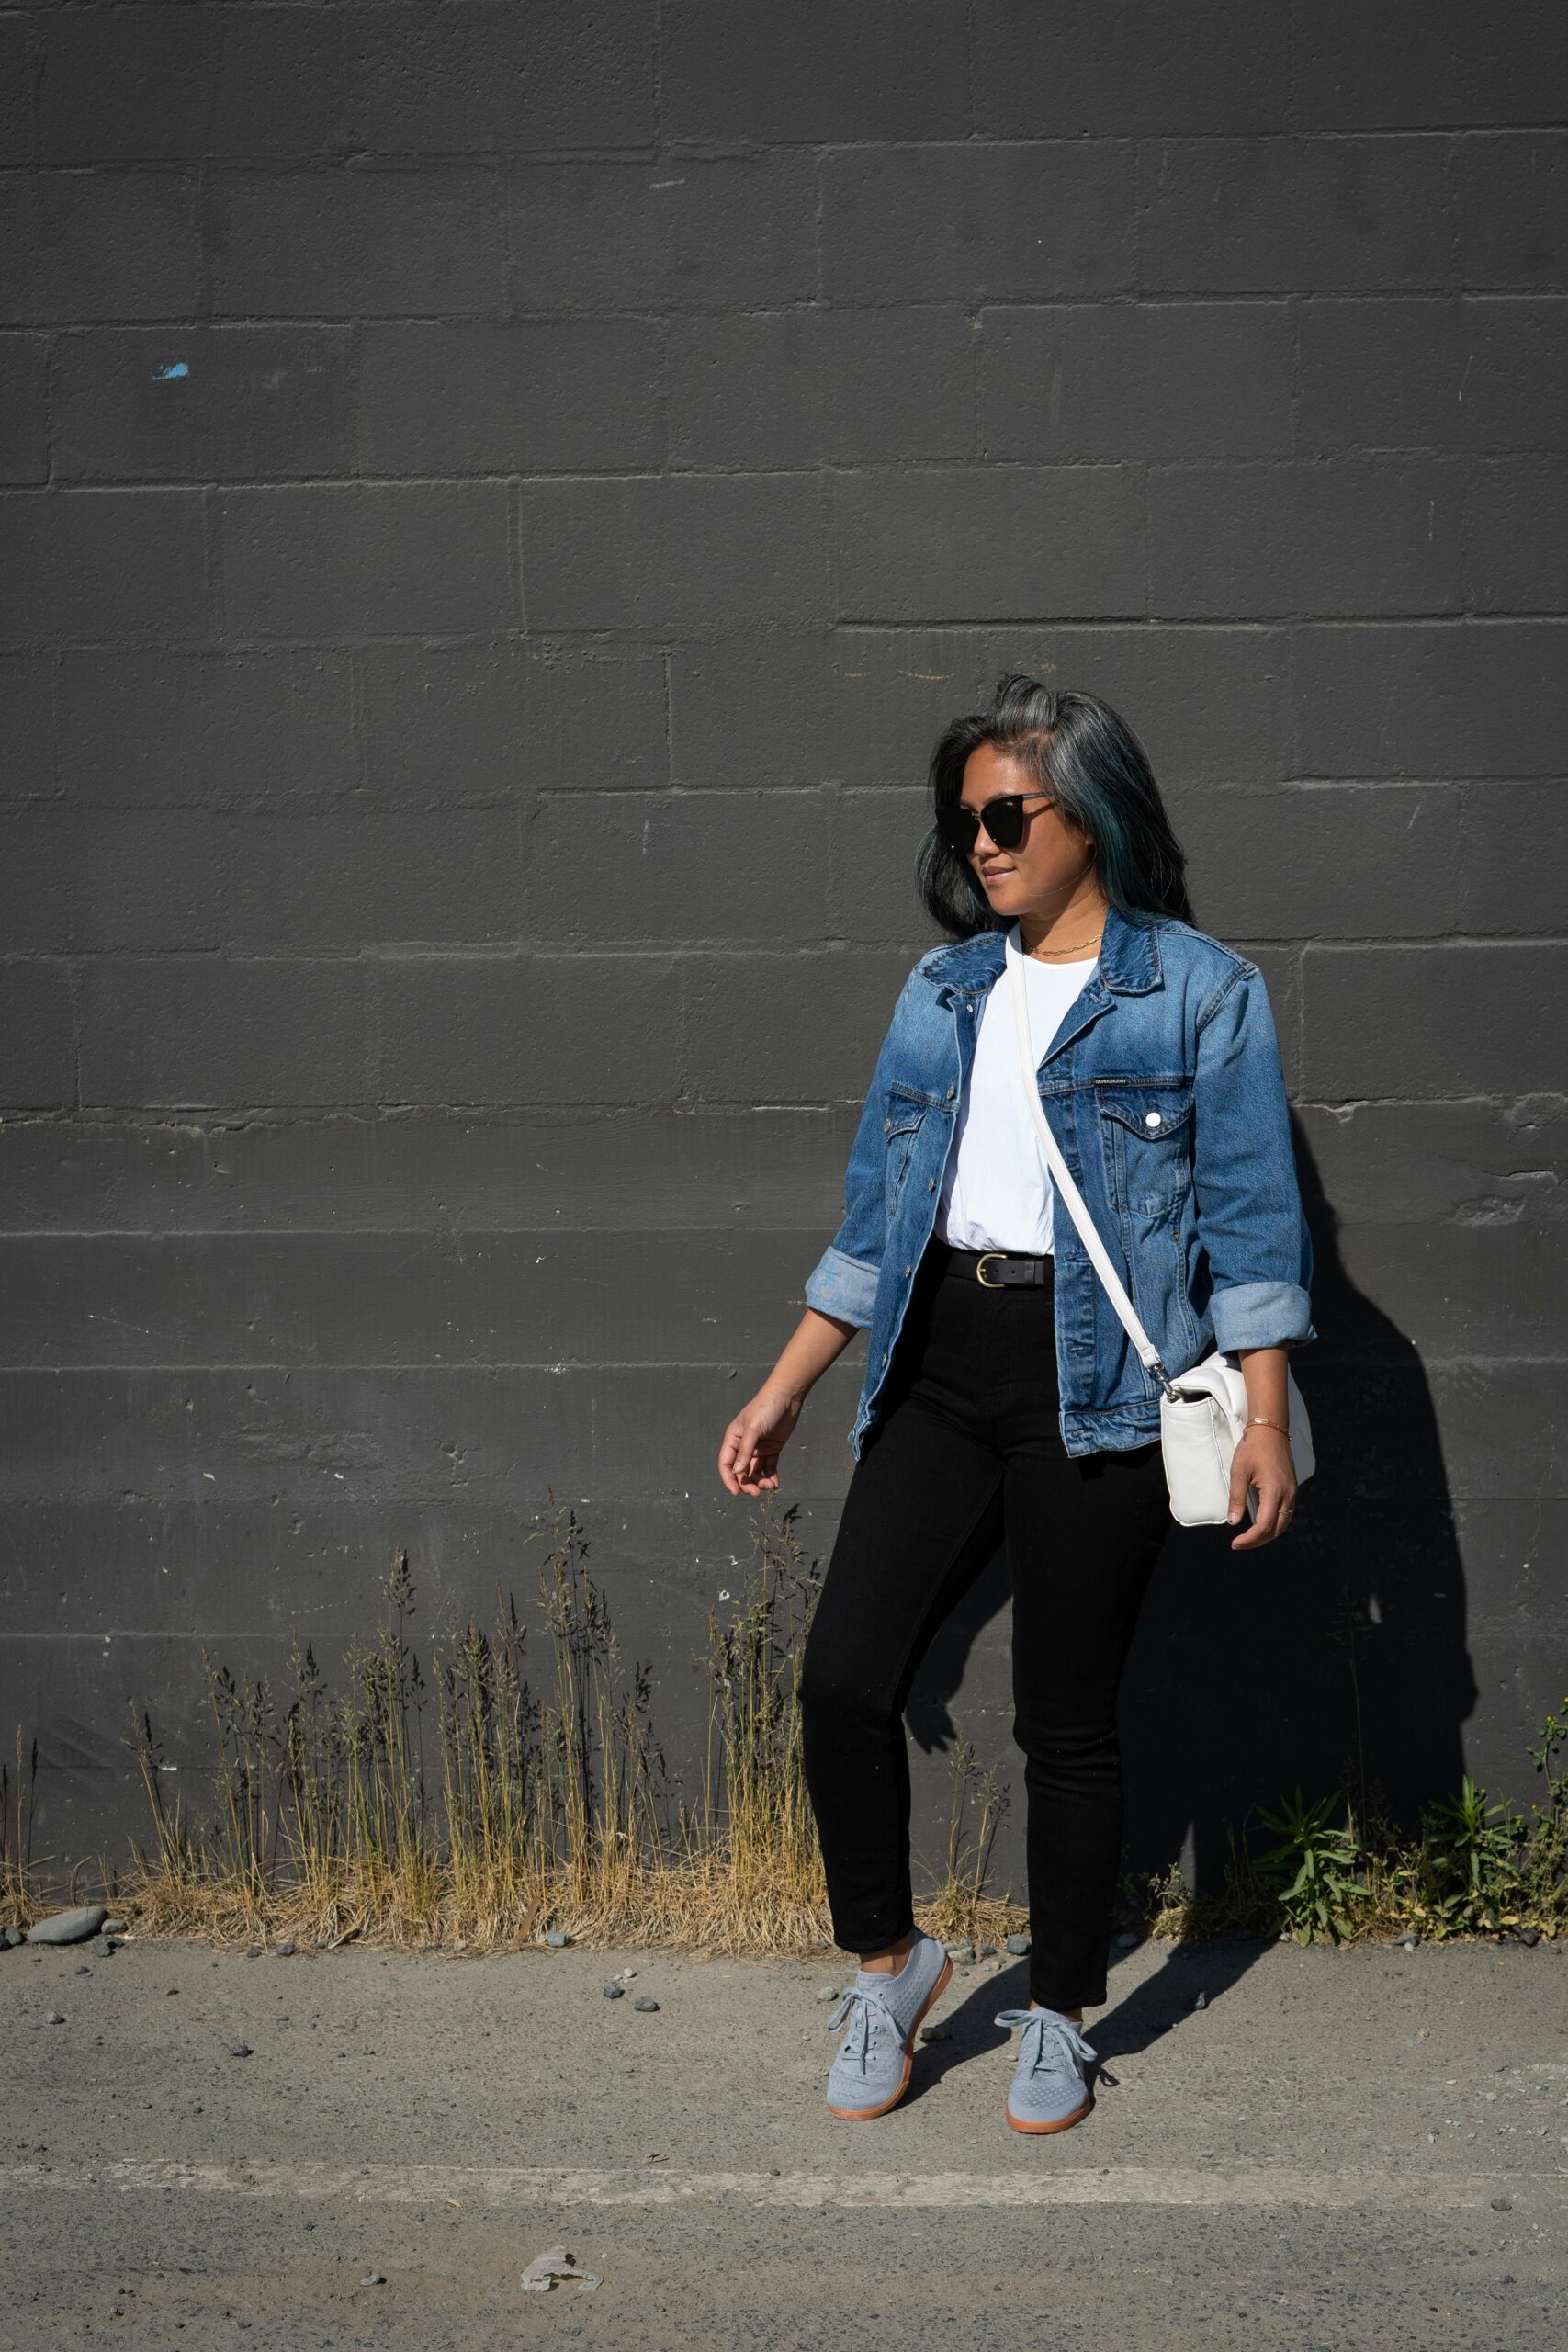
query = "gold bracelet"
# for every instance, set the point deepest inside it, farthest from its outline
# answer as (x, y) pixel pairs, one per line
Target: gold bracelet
(1268, 1424)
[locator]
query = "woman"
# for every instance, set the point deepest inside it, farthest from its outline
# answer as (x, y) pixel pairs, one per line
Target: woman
(1001, 1397)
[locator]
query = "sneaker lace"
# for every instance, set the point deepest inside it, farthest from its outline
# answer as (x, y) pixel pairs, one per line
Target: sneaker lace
(868, 2015)
(1058, 2044)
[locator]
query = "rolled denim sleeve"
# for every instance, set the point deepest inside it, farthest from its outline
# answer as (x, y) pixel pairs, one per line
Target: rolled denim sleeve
(1250, 1209)
(843, 1281)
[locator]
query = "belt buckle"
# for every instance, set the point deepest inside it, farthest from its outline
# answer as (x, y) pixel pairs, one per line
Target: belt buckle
(980, 1269)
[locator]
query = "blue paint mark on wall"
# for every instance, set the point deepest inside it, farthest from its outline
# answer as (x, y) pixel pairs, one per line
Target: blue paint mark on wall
(163, 374)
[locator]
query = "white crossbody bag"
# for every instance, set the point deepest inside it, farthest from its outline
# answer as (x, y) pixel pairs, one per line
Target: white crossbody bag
(1202, 1410)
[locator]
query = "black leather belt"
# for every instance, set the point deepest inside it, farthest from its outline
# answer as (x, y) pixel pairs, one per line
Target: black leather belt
(1003, 1269)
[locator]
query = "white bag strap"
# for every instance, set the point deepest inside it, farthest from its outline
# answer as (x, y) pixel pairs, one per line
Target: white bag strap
(1062, 1175)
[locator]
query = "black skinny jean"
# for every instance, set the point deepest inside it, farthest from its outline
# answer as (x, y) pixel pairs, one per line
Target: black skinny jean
(967, 1452)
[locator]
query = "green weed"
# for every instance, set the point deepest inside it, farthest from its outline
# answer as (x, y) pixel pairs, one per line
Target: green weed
(1316, 1869)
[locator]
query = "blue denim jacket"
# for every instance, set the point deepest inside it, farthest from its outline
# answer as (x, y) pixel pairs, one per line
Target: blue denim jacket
(1199, 1204)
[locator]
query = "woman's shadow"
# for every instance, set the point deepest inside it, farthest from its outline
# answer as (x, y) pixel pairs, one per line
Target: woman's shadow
(1334, 1658)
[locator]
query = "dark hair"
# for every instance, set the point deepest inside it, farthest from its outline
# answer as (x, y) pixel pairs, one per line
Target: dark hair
(1079, 749)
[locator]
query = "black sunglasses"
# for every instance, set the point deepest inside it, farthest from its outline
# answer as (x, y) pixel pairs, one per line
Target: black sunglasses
(1002, 818)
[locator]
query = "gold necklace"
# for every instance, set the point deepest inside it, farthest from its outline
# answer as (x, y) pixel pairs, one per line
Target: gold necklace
(1037, 952)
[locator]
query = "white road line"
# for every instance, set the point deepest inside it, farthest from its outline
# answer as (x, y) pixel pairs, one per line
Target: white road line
(522, 2185)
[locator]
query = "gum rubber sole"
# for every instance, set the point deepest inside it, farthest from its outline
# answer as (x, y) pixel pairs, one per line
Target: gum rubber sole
(868, 2114)
(1061, 2123)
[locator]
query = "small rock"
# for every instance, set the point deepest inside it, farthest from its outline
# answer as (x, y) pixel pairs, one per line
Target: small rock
(239, 2050)
(1018, 1944)
(613, 1991)
(626, 1974)
(938, 2032)
(68, 1927)
(959, 1951)
(373, 2279)
(15, 1936)
(1200, 2000)
(1502, 2204)
(984, 1952)
(54, 2018)
(253, 1951)
(828, 1992)
(285, 1949)
(1530, 1936)
(1125, 1941)
(645, 2001)
(83, 1970)
(102, 1947)
(558, 1939)
(1408, 1943)
(114, 1927)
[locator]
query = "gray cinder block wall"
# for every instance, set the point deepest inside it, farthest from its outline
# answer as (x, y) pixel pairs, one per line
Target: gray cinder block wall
(499, 503)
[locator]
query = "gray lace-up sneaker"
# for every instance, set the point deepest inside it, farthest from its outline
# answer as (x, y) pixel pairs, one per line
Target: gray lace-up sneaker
(871, 2073)
(1050, 2085)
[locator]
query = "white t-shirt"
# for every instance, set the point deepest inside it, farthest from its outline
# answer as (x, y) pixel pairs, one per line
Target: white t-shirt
(997, 1191)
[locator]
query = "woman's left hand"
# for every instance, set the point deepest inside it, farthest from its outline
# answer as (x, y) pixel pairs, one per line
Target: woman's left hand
(1262, 1459)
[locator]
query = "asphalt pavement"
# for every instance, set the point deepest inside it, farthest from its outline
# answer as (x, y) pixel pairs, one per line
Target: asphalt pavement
(1338, 2149)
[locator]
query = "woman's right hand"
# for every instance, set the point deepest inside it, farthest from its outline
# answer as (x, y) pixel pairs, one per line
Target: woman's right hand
(748, 1458)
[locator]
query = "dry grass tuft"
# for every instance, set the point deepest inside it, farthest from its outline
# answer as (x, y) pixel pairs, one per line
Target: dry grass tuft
(476, 1803)
(507, 1786)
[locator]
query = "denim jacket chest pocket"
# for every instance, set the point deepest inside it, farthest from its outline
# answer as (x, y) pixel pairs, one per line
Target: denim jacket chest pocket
(907, 1110)
(1145, 1132)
